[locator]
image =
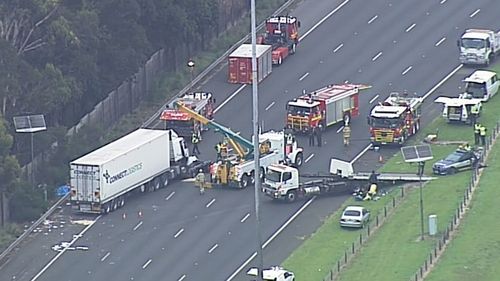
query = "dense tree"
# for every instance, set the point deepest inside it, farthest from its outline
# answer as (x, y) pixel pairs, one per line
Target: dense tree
(9, 167)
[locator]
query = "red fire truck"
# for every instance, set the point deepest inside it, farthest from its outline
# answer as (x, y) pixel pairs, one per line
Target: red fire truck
(182, 123)
(395, 119)
(282, 33)
(326, 106)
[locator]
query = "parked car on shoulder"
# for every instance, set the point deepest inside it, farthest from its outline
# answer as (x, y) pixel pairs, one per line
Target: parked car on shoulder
(354, 216)
(459, 160)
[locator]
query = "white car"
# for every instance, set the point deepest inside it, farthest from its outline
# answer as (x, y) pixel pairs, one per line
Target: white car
(275, 273)
(354, 216)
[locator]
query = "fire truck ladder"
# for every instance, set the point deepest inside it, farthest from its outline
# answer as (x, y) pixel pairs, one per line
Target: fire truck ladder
(242, 146)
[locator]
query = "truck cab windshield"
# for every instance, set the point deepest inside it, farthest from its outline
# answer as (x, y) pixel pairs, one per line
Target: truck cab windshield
(388, 123)
(273, 176)
(477, 90)
(301, 111)
(473, 43)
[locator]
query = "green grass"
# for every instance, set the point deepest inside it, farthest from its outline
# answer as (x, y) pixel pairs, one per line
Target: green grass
(394, 252)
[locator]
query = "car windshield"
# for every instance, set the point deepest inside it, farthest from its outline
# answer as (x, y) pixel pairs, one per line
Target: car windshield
(273, 176)
(388, 123)
(299, 110)
(473, 43)
(454, 157)
(477, 90)
(352, 213)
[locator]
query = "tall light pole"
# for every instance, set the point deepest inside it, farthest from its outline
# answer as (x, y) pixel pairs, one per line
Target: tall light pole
(256, 152)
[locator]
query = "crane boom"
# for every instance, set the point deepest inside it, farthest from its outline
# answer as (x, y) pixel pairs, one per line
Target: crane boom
(238, 142)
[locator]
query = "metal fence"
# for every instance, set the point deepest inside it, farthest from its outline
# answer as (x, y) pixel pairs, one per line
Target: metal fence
(370, 229)
(447, 234)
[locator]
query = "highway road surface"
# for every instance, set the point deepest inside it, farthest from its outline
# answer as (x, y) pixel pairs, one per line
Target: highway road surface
(180, 235)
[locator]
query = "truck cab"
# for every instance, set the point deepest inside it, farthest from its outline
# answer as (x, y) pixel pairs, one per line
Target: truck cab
(482, 84)
(282, 33)
(275, 273)
(303, 115)
(280, 179)
(478, 46)
(286, 145)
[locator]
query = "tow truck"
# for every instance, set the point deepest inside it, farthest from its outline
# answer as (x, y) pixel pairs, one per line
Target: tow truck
(326, 106)
(237, 170)
(282, 33)
(479, 46)
(458, 109)
(283, 182)
(201, 102)
(395, 120)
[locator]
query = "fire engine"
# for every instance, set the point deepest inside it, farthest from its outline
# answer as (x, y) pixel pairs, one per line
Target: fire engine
(326, 106)
(282, 34)
(395, 119)
(181, 122)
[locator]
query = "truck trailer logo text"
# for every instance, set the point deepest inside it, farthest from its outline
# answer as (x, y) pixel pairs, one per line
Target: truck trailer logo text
(112, 178)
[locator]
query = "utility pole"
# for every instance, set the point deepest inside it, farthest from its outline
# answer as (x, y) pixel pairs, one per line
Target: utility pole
(256, 151)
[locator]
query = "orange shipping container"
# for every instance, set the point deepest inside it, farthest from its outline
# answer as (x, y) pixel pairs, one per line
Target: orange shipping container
(240, 63)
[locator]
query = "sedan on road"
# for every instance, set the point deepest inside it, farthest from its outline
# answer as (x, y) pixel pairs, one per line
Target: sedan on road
(354, 216)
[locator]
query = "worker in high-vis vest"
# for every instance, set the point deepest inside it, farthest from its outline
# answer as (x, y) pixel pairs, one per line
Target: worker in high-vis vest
(200, 181)
(482, 134)
(477, 129)
(195, 139)
(347, 134)
(474, 110)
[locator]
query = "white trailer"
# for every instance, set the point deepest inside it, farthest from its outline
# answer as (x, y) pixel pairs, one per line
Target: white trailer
(144, 160)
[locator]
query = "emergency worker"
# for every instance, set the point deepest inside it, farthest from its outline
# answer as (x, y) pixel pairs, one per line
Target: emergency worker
(318, 134)
(347, 134)
(218, 149)
(312, 133)
(195, 139)
(200, 181)
(474, 110)
(482, 134)
(477, 129)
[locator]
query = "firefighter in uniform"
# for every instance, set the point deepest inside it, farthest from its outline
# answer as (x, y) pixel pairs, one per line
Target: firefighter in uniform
(312, 134)
(195, 139)
(347, 134)
(477, 129)
(218, 149)
(200, 180)
(482, 134)
(318, 134)
(474, 110)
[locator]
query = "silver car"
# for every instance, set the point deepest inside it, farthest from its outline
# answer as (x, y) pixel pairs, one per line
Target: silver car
(354, 216)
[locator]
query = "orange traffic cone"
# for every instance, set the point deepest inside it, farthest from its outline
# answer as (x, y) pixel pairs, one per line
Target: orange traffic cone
(381, 158)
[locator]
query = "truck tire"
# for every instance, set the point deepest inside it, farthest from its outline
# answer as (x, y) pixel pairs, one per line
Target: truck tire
(164, 180)
(262, 174)
(245, 179)
(280, 60)
(252, 177)
(114, 204)
(157, 184)
(291, 196)
(299, 159)
(293, 49)
(122, 201)
(106, 208)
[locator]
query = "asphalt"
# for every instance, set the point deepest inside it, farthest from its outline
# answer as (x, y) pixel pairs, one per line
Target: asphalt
(184, 236)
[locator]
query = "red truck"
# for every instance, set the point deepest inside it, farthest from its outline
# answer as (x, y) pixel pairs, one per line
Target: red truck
(282, 33)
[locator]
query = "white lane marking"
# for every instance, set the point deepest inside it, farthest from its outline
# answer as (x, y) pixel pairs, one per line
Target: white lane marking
(304, 76)
(373, 19)
(309, 158)
(442, 81)
(230, 97)
(442, 2)
(406, 70)
(323, 19)
(338, 47)
(440, 41)
(376, 56)
(137, 226)
(475, 13)
(182, 277)
(245, 218)
(231, 277)
(340, 129)
(213, 248)
(170, 195)
(179, 232)
(65, 249)
(269, 106)
(373, 99)
(105, 256)
(146, 264)
(410, 27)
(210, 203)
(361, 153)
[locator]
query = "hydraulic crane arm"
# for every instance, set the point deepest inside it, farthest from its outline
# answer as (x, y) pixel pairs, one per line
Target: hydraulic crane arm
(238, 142)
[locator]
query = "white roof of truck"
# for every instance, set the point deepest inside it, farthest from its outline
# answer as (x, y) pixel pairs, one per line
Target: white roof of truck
(475, 34)
(383, 111)
(282, 19)
(120, 146)
(245, 51)
(480, 76)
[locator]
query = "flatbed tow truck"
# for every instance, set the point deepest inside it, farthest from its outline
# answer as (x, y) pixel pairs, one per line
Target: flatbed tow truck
(283, 182)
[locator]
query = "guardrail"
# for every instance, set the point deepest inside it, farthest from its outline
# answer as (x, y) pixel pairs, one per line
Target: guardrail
(28, 231)
(212, 66)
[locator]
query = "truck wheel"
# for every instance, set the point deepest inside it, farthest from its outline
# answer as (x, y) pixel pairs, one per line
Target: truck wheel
(299, 159)
(245, 179)
(106, 208)
(291, 196)
(252, 177)
(143, 188)
(293, 49)
(280, 60)
(164, 180)
(122, 201)
(156, 183)
(262, 174)
(114, 204)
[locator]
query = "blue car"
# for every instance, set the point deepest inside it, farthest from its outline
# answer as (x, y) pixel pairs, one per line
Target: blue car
(457, 161)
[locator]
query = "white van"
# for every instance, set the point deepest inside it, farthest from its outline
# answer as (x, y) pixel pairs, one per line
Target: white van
(482, 84)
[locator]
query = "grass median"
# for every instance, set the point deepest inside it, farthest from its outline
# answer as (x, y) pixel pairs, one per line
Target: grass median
(394, 252)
